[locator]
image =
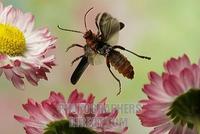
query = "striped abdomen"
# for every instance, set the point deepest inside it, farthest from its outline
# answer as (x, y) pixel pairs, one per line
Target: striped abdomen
(121, 63)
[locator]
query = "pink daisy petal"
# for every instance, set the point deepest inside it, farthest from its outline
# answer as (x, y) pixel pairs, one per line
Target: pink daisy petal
(156, 95)
(187, 78)
(8, 73)
(29, 122)
(17, 81)
(73, 96)
(31, 80)
(155, 78)
(90, 99)
(49, 111)
(166, 93)
(196, 74)
(52, 110)
(32, 130)
(174, 66)
(172, 82)
(162, 129)
(35, 110)
(56, 97)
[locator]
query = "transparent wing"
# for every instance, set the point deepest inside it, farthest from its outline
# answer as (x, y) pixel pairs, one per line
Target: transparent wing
(113, 40)
(93, 57)
(109, 28)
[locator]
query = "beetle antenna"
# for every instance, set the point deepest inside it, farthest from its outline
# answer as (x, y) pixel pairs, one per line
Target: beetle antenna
(69, 30)
(85, 18)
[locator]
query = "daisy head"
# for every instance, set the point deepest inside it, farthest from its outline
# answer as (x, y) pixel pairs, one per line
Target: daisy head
(77, 115)
(173, 104)
(23, 49)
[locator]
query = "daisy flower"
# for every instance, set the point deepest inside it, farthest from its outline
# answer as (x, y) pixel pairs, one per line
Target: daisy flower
(76, 115)
(23, 49)
(173, 104)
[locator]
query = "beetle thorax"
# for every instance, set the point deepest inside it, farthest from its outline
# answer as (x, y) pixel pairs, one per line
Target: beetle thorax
(90, 39)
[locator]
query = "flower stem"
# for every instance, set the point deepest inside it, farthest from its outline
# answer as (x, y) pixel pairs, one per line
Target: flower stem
(197, 124)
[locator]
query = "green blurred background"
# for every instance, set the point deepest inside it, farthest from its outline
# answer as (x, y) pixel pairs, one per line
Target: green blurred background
(157, 28)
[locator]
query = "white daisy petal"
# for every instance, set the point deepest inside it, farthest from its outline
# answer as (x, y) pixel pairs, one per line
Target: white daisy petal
(25, 55)
(5, 13)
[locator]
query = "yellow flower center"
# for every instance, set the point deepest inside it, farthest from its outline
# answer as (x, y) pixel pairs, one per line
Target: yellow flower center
(12, 40)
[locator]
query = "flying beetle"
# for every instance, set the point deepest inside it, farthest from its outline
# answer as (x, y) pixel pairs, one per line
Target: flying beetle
(103, 43)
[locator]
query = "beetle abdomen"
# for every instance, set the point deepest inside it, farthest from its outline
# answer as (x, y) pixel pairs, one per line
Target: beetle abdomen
(121, 63)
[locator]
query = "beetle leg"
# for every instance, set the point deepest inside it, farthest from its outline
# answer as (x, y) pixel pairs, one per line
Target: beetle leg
(76, 59)
(108, 65)
(74, 45)
(140, 56)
